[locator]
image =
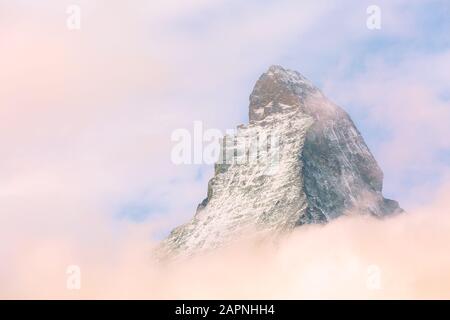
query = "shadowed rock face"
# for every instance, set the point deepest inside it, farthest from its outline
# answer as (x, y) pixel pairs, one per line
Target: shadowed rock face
(324, 170)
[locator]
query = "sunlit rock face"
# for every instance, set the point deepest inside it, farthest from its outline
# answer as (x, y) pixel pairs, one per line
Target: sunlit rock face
(300, 160)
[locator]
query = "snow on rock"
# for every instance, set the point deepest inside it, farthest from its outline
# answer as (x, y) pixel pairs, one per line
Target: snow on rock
(299, 161)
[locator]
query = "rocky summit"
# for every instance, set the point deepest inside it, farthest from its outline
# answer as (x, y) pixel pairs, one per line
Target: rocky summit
(315, 168)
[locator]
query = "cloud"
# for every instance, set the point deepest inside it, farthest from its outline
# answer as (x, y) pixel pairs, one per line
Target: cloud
(85, 130)
(352, 257)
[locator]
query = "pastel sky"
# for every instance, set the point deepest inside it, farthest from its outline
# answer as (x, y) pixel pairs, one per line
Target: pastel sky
(86, 115)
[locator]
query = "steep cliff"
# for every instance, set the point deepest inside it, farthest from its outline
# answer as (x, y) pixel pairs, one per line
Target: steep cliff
(300, 160)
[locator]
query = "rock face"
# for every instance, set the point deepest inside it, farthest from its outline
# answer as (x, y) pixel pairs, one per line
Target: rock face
(300, 160)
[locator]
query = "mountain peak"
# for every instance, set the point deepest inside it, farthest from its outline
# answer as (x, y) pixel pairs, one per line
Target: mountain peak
(278, 86)
(323, 169)
(284, 74)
